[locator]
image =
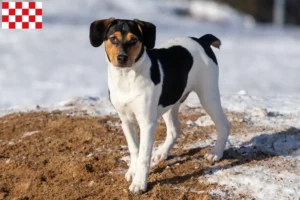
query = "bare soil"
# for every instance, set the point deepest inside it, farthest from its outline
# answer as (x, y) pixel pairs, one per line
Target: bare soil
(54, 155)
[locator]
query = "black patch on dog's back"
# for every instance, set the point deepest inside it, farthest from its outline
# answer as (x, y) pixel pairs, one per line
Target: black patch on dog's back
(176, 63)
(154, 70)
(205, 42)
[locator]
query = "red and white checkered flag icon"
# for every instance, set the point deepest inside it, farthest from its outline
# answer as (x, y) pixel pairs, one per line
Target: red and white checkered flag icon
(22, 15)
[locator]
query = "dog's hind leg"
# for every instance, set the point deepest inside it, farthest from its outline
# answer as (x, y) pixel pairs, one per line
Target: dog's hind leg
(173, 131)
(208, 93)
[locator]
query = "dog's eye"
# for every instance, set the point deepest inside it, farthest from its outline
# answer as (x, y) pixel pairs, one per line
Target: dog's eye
(133, 41)
(113, 40)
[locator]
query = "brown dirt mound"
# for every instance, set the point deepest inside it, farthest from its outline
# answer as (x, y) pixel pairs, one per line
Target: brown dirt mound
(55, 156)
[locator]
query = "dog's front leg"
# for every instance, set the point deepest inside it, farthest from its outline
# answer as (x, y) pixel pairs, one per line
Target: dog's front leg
(130, 132)
(139, 183)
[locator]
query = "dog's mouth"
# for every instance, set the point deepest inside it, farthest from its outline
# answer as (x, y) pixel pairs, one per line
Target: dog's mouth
(123, 65)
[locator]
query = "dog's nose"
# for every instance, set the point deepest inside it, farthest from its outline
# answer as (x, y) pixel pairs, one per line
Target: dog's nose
(122, 58)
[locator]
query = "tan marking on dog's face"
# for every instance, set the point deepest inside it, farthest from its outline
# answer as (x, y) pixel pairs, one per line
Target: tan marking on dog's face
(127, 44)
(140, 28)
(113, 49)
(133, 50)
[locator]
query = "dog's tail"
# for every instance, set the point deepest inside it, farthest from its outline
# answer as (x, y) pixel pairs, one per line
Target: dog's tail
(210, 39)
(206, 41)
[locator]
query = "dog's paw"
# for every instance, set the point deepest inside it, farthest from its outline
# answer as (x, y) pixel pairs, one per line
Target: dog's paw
(130, 174)
(213, 156)
(158, 156)
(137, 188)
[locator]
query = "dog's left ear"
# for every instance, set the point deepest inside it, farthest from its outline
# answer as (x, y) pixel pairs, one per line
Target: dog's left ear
(148, 31)
(98, 30)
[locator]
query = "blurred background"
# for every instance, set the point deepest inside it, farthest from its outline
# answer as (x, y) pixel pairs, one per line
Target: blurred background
(259, 53)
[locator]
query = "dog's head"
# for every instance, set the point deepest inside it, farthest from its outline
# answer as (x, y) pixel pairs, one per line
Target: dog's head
(124, 39)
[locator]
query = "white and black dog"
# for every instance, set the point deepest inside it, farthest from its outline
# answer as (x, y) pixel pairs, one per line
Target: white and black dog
(146, 83)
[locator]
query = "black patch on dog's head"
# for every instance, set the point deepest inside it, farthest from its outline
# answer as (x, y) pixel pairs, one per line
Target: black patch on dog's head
(124, 26)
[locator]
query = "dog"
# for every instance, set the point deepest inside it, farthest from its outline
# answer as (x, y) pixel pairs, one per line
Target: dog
(146, 83)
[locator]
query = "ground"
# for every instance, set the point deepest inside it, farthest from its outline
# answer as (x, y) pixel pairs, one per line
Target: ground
(67, 155)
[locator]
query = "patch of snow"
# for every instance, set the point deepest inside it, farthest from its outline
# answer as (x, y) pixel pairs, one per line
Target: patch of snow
(274, 178)
(242, 92)
(68, 67)
(202, 143)
(257, 113)
(201, 121)
(183, 189)
(191, 123)
(93, 105)
(283, 143)
(90, 155)
(91, 183)
(260, 182)
(126, 159)
(220, 13)
(204, 121)
(220, 193)
(276, 111)
(30, 133)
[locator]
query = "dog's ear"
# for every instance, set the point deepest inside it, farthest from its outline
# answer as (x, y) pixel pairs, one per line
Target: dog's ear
(148, 31)
(98, 31)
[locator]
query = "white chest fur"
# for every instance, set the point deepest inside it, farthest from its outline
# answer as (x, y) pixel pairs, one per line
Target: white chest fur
(131, 87)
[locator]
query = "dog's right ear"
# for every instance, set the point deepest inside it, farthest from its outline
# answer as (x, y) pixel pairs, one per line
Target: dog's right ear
(98, 30)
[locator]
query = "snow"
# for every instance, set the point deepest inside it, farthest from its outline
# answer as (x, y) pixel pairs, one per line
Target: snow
(43, 67)
(219, 13)
(30, 133)
(259, 69)
(263, 180)
(279, 110)
(259, 182)
(274, 178)
(92, 105)
(201, 121)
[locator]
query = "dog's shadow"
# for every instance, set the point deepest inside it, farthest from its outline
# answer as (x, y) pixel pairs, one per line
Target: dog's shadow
(261, 147)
